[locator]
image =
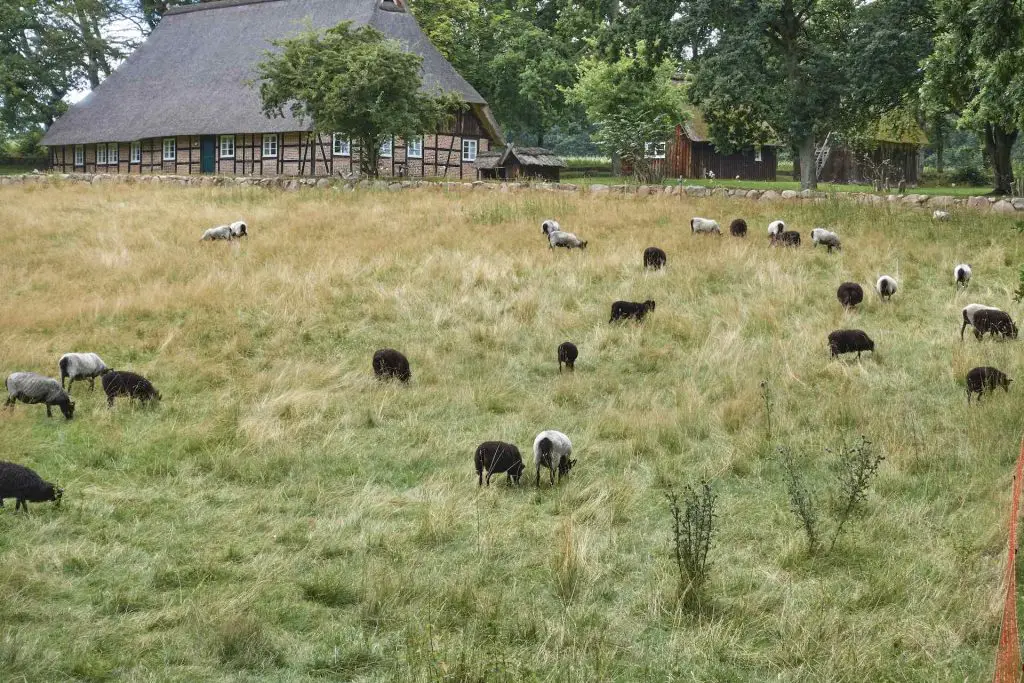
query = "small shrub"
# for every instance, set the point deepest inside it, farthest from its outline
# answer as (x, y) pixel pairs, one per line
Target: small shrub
(693, 530)
(801, 502)
(766, 396)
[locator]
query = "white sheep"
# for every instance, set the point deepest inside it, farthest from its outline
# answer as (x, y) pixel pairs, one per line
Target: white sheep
(239, 229)
(962, 274)
(826, 237)
(552, 449)
(559, 238)
(940, 215)
(776, 228)
(969, 311)
(886, 286)
(81, 366)
(705, 225)
(221, 232)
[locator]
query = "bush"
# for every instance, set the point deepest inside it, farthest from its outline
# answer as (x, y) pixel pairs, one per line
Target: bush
(693, 528)
(969, 175)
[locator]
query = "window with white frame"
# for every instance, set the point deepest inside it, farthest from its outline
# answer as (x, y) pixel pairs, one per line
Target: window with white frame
(270, 145)
(757, 154)
(170, 149)
(385, 149)
(136, 153)
(414, 148)
(112, 153)
(79, 155)
(469, 150)
(341, 145)
(655, 150)
(227, 146)
(101, 155)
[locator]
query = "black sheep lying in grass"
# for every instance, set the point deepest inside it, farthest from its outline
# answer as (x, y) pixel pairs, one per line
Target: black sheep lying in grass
(122, 383)
(495, 457)
(390, 363)
(623, 310)
(25, 486)
(985, 378)
(848, 341)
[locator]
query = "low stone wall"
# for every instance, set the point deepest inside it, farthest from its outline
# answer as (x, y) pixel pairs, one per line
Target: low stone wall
(1004, 205)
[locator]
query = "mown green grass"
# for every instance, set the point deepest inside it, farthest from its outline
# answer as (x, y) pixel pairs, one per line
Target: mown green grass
(282, 516)
(777, 185)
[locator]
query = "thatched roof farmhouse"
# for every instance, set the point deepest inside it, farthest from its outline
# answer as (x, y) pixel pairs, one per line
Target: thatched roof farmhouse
(182, 103)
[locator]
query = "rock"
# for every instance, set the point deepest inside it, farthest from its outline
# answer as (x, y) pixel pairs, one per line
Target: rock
(1018, 203)
(940, 201)
(770, 195)
(1003, 206)
(916, 199)
(598, 189)
(695, 190)
(753, 194)
(978, 202)
(789, 194)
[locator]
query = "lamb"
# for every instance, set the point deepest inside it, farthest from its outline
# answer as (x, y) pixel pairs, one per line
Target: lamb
(552, 449)
(850, 294)
(848, 341)
(980, 379)
(496, 457)
(558, 238)
(940, 215)
(995, 322)
(962, 275)
(567, 353)
(826, 237)
(239, 229)
(969, 311)
(390, 363)
(705, 225)
(121, 383)
(738, 228)
(31, 388)
(25, 486)
(81, 366)
(622, 310)
(788, 238)
(221, 232)
(776, 228)
(655, 258)
(886, 287)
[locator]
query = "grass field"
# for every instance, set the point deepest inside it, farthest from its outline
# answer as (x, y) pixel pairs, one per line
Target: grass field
(282, 516)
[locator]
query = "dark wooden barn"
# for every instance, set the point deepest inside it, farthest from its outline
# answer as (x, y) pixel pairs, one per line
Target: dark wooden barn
(889, 154)
(519, 163)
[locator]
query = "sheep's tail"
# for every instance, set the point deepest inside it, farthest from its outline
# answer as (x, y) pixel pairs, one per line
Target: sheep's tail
(544, 449)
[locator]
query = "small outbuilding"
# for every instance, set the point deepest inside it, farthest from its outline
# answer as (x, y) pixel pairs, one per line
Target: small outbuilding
(519, 163)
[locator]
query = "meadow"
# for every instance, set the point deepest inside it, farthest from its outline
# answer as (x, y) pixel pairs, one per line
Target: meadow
(283, 516)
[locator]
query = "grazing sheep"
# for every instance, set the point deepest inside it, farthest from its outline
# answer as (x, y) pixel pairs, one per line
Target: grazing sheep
(497, 457)
(81, 366)
(738, 228)
(886, 287)
(552, 449)
(969, 311)
(776, 228)
(940, 215)
(549, 226)
(848, 341)
(239, 229)
(558, 238)
(25, 486)
(962, 275)
(850, 294)
(390, 363)
(994, 322)
(655, 258)
(980, 379)
(31, 388)
(705, 225)
(789, 238)
(567, 353)
(222, 232)
(121, 383)
(826, 237)
(622, 310)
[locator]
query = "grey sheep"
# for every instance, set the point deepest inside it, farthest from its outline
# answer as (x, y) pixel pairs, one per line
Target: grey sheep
(81, 366)
(551, 449)
(32, 388)
(826, 237)
(221, 232)
(980, 379)
(848, 341)
(25, 486)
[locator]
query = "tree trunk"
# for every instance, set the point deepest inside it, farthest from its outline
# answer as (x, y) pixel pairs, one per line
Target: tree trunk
(616, 165)
(808, 169)
(540, 139)
(999, 144)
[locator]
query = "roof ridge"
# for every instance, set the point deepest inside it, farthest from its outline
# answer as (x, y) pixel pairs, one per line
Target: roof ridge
(212, 4)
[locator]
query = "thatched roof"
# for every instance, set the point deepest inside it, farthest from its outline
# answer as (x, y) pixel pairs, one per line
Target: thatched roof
(189, 76)
(488, 160)
(526, 156)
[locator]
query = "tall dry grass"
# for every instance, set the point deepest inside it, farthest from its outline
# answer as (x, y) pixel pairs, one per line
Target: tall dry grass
(282, 516)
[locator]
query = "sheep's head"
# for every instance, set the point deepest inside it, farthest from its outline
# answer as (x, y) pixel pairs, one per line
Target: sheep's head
(56, 494)
(564, 466)
(68, 409)
(649, 305)
(516, 470)
(1013, 330)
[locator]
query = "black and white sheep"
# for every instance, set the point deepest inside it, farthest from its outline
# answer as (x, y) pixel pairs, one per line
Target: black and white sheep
(968, 313)
(962, 275)
(704, 225)
(81, 366)
(886, 286)
(567, 353)
(994, 322)
(560, 238)
(25, 486)
(655, 258)
(787, 238)
(552, 449)
(221, 232)
(495, 457)
(32, 388)
(826, 237)
(738, 228)
(850, 294)
(390, 363)
(848, 341)
(980, 379)
(623, 310)
(776, 228)
(122, 383)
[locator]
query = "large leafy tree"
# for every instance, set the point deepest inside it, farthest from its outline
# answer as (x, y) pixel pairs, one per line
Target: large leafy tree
(354, 82)
(977, 71)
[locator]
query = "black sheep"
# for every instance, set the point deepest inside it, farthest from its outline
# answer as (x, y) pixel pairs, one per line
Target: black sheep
(25, 486)
(622, 310)
(789, 238)
(122, 383)
(738, 228)
(654, 258)
(994, 322)
(980, 379)
(848, 341)
(496, 457)
(850, 294)
(567, 353)
(390, 363)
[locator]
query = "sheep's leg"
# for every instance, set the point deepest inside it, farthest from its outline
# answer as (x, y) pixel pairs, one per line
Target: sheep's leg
(48, 413)
(92, 384)
(21, 504)
(551, 471)
(962, 328)
(71, 380)
(9, 403)
(538, 476)
(110, 401)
